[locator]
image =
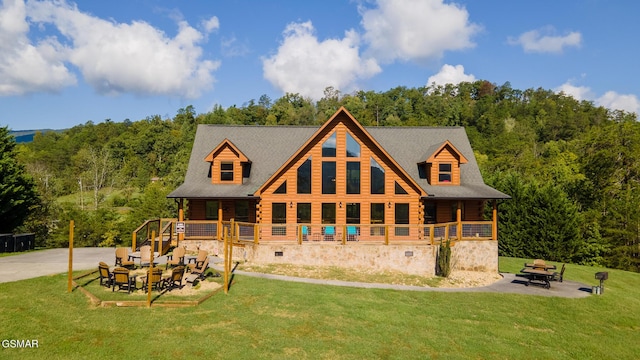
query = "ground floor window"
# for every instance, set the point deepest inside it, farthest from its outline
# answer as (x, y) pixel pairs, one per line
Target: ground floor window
(211, 209)
(279, 216)
(353, 213)
(242, 211)
(402, 217)
(377, 217)
(430, 214)
(328, 213)
(304, 213)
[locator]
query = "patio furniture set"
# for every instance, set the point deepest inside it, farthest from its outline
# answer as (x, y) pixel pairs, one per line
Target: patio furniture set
(539, 272)
(122, 276)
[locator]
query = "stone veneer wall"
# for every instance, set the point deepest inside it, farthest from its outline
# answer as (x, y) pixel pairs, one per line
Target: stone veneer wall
(414, 259)
(475, 256)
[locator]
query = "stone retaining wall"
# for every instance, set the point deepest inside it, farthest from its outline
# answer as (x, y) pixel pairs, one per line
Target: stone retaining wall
(414, 259)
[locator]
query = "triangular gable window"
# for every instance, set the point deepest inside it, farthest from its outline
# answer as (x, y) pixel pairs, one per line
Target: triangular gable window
(400, 190)
(282, 189)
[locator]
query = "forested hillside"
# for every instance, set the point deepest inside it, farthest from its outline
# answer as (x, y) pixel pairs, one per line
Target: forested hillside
(572, 168)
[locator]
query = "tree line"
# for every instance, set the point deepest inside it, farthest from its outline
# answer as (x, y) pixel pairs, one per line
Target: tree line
(572, 168)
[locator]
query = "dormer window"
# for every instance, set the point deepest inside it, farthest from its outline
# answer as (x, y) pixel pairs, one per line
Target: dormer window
(226, 171)
(444, 172)
(443, 166)
(228, 164)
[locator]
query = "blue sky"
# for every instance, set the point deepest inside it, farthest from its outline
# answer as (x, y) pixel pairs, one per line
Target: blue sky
(64, 63)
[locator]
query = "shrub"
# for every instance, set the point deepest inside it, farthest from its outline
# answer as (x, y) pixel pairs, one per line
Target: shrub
(443, 260)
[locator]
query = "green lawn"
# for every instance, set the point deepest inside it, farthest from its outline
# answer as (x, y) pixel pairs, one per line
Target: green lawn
(269, 319)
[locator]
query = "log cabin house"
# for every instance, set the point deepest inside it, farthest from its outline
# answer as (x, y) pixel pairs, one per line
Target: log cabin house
(343, 186)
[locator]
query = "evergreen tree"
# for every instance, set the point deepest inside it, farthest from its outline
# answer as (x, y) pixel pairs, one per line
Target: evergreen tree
(18, 193)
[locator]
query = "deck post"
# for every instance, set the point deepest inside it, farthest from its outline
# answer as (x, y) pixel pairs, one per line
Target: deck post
(227, 262)
(70, 273)
(180, 218)
(386, 234)
(150, 273)
(256, 228)
(219, 228)
(459, 220)
(494, 225)
(431, 233)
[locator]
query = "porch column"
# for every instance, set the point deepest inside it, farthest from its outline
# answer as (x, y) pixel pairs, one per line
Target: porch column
(181, 217)
(495, 220)
(459, 220)
(219, 227)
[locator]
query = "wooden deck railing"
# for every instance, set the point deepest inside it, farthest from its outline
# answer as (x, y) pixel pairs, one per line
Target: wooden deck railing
(165, 228)
(342, 233)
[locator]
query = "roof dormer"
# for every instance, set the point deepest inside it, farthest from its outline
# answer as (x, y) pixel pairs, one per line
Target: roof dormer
(228, 164)
(442, 167)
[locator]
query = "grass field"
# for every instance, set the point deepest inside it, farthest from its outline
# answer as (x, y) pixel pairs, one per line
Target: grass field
(269, 319)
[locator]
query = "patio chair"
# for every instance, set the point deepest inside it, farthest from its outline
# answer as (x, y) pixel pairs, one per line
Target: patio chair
(175, 280)
(198, 272)
(176, 258)
(122, 258)
(145, 255)
(352, 233)
(329, 233)
(202, 256)
(106, 277)
(156, 280)
(123, 279)
(559, 276)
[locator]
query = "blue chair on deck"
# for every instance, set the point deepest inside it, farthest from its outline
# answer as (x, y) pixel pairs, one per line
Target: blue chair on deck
(329, 233)
(305, 232)
(352, 233)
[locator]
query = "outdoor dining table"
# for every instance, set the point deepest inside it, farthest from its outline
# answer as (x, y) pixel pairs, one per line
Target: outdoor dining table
(545, 267)
(541, 275)
(136, 255)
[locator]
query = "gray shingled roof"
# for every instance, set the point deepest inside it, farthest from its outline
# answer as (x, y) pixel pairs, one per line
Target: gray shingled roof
(269, 147)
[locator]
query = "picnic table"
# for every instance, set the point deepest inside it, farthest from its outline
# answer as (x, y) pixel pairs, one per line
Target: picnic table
(541, 275)
(544, 266)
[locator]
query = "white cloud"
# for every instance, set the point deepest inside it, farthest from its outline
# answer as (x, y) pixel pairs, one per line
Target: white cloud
(450, 74)
(112, 57)
(615, 101)
(307, 66)
(544, 40)
(211, 24)
(25, 67)
(416, 30)
(611, 99)
(577, 92)
(138, 58)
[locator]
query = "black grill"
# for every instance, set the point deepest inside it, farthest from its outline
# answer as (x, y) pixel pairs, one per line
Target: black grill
(603, 275)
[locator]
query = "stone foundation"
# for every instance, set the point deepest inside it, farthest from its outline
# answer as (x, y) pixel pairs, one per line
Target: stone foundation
(414, 259)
